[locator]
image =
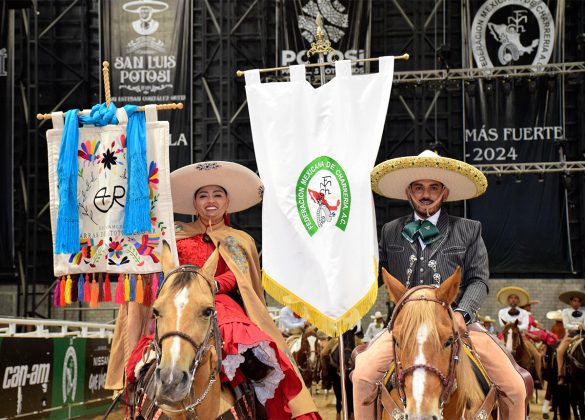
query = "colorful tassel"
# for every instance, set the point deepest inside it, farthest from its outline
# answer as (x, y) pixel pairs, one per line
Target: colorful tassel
(80, 288)
(57, 293)
(68, 285)
(93, 302)
(126, 288)
(119, 299)
(86, 289)
(139, 290)
(147, 301)
(155, 282)
(107, 289)
(101, 287)
(73, 290)
(62, 291)
(132, 288)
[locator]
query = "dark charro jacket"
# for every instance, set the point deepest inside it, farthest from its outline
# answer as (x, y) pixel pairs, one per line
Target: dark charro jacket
(461, 244)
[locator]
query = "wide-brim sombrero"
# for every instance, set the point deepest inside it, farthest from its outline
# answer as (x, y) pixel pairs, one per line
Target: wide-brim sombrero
(377, 315)
(566, 296)
(135, 6)
(392, 177)
(505, 292)
(244, 188)
(555, 315)
(487, 318)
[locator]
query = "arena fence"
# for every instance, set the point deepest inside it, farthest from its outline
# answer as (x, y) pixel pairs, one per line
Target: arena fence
(53, 369)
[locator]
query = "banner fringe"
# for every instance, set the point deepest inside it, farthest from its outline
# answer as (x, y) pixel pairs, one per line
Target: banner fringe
(331, 327)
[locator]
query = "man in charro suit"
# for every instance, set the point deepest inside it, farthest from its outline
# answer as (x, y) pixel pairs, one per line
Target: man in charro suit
(424, 248)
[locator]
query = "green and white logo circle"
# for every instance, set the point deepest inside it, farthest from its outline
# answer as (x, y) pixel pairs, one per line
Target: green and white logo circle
(323, 196)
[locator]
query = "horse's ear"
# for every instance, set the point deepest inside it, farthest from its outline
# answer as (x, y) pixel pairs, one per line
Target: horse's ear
(517, 322)
(448, 290)
(395, 288)
(166, 258)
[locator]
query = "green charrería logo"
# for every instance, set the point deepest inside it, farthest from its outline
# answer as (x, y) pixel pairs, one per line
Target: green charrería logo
(322, 195)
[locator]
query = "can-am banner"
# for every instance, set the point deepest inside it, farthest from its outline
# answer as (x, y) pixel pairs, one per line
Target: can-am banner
(517, 120)
(148, 45)
(346, 24)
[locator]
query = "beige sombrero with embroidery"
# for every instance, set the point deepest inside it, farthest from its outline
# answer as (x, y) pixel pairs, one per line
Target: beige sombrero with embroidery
(504, 293)
(392, 177)
(244, 188)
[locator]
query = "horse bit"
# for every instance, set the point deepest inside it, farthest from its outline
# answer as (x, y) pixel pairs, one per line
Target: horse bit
(446, 381)
(200, 349)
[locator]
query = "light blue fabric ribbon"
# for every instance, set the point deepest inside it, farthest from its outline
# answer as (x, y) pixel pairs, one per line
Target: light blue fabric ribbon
(137, 210)
(67, 235)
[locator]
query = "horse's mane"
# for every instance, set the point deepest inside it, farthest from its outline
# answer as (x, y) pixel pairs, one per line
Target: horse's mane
(184, 278)
(470, 393)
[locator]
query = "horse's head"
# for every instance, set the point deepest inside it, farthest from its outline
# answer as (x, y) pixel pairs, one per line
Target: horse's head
(512, 336)
(310, 345)
(185, 327)
(426, 345)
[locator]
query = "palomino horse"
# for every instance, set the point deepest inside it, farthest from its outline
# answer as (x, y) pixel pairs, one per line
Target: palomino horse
(433, 377)
(187, 343)
(305, 349)
(516, 345)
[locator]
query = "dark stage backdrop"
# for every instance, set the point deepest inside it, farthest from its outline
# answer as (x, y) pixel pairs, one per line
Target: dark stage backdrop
(514, 121)
(148, 46)
(347, 27)
(7, 137)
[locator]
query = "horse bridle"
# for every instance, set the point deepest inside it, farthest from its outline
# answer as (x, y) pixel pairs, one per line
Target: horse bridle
(447, 381)
(519, 342)
(200, 349)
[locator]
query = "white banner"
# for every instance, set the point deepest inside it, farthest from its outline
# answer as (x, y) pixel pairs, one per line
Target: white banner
(315, 149)
(102, 183)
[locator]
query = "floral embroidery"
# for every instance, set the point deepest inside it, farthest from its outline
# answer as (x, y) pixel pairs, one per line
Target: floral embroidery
(88, 150)
(238, 253)
(207, 166)
(152, 178)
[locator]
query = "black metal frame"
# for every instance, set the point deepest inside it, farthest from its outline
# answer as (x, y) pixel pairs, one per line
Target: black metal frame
(61, 71)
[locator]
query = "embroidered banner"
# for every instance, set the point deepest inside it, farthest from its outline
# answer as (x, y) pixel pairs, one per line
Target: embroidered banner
(315, 149)
(102, 185)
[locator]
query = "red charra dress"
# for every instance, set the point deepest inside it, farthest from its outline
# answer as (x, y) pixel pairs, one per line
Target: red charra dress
(239, 334)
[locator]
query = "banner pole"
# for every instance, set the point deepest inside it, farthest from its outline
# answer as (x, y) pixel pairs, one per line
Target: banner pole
(341, 350)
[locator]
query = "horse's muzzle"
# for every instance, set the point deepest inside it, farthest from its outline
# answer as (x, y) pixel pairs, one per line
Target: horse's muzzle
(172, 385)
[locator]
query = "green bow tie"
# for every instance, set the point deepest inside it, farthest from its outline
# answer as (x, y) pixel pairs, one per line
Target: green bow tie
(423, 229)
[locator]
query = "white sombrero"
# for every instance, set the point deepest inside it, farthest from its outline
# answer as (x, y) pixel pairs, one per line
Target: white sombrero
(555, 315)
(566, 296)
(377, 315)
(392, 177)
(487, 318)
(243, 186)
(135, 6)
(504, 293)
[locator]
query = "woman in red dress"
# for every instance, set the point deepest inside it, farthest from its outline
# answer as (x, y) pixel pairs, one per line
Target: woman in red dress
(253, 347)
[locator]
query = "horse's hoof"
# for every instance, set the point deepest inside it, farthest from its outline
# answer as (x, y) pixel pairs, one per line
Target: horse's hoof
(545, 416)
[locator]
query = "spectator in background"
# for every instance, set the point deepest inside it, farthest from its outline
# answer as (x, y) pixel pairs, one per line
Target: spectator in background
(290, 323)
(574, 323)
(488, 323)
(375, 327)
(557, 328)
